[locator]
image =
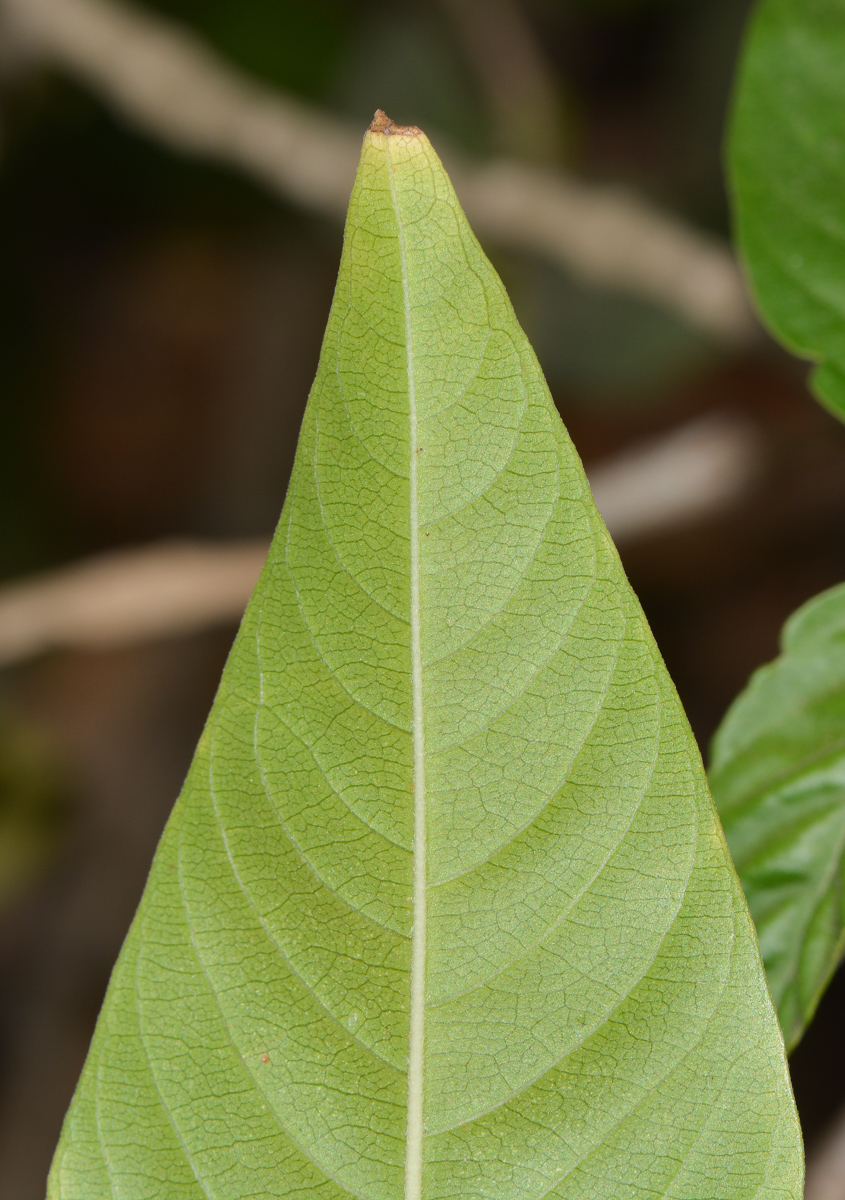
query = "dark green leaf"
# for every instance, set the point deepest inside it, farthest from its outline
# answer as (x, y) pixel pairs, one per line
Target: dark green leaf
(778, 777)
(787, 158)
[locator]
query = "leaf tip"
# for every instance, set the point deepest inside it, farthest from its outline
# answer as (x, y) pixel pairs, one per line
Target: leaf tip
(381, 123)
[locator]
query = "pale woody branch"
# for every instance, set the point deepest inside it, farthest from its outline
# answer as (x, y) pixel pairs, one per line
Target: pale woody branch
(165, 80)
(673, 480)
(168, 588)
(826, 1166)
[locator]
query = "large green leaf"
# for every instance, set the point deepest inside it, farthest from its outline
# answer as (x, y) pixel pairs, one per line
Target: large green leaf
(444, 909)
(787, 158)
(778, 776)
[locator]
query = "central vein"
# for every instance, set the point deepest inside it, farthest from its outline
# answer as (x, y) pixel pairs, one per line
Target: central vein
(416, 1041)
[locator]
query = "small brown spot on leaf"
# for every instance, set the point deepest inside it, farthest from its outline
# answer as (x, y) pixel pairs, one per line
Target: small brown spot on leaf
(381, 123)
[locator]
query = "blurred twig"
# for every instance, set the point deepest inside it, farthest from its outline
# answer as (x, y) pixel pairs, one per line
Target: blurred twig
(129, 596)
(165, 80)
(179, 587)
(512, 69)
(672, 480)
(826, 1166)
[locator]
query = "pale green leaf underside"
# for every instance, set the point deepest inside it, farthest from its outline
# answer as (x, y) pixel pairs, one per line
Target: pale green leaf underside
(787, 160)
(778, 776)
(595, 1018)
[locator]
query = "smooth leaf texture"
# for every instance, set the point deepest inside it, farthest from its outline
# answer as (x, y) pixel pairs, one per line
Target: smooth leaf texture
(444, 909)
(778, 777)
(787, 166)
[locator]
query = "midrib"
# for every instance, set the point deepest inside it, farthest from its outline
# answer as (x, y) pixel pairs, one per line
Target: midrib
(416, 1040)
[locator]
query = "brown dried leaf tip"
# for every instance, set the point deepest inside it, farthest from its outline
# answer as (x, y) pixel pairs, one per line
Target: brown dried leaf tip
(381, 123)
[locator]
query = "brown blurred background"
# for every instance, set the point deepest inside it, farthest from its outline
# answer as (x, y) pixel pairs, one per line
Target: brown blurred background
(160, 320)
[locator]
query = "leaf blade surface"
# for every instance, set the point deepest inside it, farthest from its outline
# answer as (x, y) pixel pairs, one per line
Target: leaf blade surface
(444, 909)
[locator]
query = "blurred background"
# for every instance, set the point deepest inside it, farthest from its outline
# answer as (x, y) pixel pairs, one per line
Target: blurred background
(172, 182)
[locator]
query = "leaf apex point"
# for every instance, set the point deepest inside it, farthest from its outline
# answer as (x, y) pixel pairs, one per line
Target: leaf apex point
(381, 123)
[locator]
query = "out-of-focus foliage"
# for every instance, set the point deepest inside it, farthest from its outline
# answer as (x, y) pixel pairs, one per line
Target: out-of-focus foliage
(612, 6)
(32, 812)
(778, 778)
(294, 44)
(572, 325)
(787, 158)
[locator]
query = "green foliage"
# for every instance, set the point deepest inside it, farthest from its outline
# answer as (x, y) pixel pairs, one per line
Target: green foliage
(445, 897)
(614, 351)
(778, 770)
(294, 44)
(787, 159)
(32, 813)
(778, 777)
